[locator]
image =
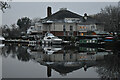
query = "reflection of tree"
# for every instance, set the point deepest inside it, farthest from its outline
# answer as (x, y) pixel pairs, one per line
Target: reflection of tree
(110, 67)
(71, 49)
(15, 51)
(7, 50)
(22, 54)
(110, 17)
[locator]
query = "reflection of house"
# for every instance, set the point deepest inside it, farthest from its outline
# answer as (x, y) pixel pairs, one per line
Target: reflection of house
(67, 23)
(59, 54)
(64, 61)
(72, 57)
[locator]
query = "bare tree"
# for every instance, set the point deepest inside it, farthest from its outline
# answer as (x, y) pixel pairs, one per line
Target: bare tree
(35, 20)
(4, 5)
(110, 17)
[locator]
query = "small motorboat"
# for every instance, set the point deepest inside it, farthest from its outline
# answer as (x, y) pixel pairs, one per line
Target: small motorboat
(50, 38)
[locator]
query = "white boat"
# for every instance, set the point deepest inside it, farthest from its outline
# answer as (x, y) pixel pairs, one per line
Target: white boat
(50, 38)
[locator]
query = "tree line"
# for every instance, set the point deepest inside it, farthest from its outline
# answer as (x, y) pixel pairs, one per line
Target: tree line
(110, 18)
(16, 30)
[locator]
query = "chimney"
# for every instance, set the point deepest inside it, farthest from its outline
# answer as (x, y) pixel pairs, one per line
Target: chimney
(85, 16)
(49, 70)
(49, 11)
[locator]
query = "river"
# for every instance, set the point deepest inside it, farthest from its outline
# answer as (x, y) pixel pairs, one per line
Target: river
(57, 61)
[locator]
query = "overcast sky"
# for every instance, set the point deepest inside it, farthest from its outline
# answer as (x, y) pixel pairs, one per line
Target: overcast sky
(38, 9)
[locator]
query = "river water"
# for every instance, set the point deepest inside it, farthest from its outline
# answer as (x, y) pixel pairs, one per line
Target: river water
(57, 61)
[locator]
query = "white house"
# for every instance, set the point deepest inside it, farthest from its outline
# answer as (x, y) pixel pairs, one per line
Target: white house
(67, 23)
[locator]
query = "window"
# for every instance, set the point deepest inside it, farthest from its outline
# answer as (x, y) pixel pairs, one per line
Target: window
(39, 27)
(71, 31)
(81, 34)
(71, 28)
(92, 27)
(82, 27)
(64, 28)
(71, 56)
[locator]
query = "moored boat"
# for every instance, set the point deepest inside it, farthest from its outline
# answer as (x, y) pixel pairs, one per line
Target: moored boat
(51, 39)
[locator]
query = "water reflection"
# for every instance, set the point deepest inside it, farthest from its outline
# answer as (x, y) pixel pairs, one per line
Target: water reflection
(66, 59)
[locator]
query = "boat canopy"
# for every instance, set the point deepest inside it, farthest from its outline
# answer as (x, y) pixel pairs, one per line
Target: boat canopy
(49, 34)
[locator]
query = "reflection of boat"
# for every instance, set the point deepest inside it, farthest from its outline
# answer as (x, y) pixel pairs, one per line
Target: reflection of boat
(47, 49)
(51, 50)
(94, 42)
(2, 39)
(50, 38)
(34, 49)
(88, 49)
(108, 39)
(67, 62)
(2, 45)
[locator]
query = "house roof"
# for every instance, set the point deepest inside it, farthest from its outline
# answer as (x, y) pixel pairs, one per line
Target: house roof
(62, 14)
(64, 69)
